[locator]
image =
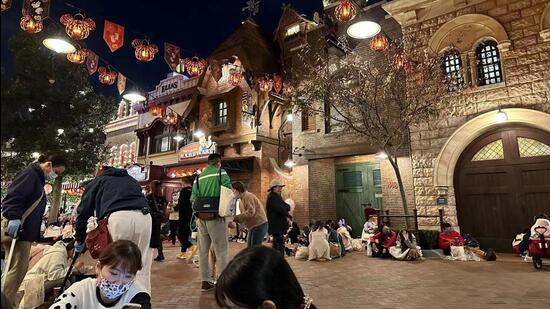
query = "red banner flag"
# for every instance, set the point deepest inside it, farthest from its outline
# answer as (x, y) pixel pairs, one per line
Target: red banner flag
(121, 83)
(113, 34)
(92, 60)
(171, 55)
(37, 9)
(6, 4)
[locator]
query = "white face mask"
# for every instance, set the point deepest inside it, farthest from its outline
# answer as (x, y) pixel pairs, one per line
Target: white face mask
(112, 290)
(51, 176)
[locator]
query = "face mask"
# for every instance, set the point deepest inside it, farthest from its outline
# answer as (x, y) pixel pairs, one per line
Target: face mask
(51, 176)
(112, 290)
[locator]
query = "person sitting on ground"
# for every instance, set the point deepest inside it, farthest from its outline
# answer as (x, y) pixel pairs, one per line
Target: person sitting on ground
(116, 283)
(303, 239)
(259, 277)
(405, 247)
(369, 230)
(382, 241)
(471, 246)
(344, 233)
(46, 274)
(342, 222)
(319, 248)
(447, 237)
(335, 238)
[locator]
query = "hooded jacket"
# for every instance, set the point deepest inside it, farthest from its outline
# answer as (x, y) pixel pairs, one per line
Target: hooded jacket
(113, 191)
(25, 189)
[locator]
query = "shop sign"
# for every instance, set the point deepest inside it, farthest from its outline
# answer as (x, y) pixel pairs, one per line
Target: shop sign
(442, 200)
(195, 150)
(137, 173)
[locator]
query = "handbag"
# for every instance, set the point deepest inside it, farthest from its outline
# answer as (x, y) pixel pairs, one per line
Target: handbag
(5, 238)
(99, 238)
(209, 208)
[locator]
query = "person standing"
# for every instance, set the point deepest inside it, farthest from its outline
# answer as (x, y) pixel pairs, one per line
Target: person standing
(252, 215)
(174, 218)
(116, 195)
(212, 229)
(277, 215)
(183, 207)
(157, 204)
(24, 193)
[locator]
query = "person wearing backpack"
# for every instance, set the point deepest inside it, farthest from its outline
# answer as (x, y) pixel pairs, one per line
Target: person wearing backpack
(212, 229)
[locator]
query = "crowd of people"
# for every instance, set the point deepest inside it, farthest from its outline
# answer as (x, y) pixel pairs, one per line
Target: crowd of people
(123, 227)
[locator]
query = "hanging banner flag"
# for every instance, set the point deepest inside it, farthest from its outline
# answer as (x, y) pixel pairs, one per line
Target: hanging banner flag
(92, 60)
(37, 9)
(6, 4)
(171, 55)
(121, 83)
(113, 34)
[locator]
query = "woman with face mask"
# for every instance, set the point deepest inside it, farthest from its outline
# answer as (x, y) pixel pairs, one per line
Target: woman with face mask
(115, 286)
(26, 196)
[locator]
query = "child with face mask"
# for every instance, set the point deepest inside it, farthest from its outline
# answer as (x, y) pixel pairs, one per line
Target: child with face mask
(115, 285)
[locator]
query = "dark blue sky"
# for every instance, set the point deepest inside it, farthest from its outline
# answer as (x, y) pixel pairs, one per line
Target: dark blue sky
(198, 27)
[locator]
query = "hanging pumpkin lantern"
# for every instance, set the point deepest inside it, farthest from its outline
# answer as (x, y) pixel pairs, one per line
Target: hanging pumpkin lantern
(195, 66)
(145, 51)
(77, 27)
(265, 83)
(400, 61)
(345, 11)
(235, 77)
(277, 83)
(379, 42)
(106, 76)
(171, 118)
(30, 25)
(155, 110)
(79, 56)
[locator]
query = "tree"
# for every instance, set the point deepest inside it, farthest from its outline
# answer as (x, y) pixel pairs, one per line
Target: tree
(376, 95)
(49, 106)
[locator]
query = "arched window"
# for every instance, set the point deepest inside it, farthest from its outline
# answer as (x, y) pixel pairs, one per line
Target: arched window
(123, 154)
(452, 67)
(113, 156)
(132, 158)
(489, 70)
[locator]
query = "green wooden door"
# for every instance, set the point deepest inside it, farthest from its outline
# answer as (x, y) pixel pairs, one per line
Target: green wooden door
(358, 186)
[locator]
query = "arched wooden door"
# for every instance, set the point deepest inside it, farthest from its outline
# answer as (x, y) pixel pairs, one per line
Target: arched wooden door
(501, 181)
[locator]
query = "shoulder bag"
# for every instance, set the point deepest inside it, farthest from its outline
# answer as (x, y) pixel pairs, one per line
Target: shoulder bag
(99, 238)
(5, 238)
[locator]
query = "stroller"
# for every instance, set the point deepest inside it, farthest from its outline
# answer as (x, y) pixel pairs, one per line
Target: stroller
(539, 246)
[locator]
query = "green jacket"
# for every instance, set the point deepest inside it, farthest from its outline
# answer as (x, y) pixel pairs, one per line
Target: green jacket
(210, 183)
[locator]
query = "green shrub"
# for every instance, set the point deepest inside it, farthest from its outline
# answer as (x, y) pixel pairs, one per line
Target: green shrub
(427, 239)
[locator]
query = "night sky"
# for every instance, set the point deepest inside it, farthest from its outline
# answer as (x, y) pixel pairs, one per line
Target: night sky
(198, 27)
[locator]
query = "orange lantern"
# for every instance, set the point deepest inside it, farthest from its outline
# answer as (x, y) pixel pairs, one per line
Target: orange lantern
(345, 11)
(235, 77)
(379, 42)
(106, 76)
(155, 110)
(29, 25)
(195, 66)
(77, 27)
(400, 61)
(265, 83)
(277, 83)
(79, 56)
(287, 89)
(171, 119)
(144, 50)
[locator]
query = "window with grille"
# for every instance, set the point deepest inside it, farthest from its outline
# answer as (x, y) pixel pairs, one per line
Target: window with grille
(221, 113)
(532, 148)
(488, 64)
(452, 67)
(491, 151)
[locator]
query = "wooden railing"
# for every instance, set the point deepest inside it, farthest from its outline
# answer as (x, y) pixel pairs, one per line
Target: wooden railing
(384, 217)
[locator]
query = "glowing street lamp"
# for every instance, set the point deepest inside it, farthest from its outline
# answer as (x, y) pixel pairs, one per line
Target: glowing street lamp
(198, 134)
(289, 117)
(363, 29)
(59, 45)
(501, 116)
(381, 155)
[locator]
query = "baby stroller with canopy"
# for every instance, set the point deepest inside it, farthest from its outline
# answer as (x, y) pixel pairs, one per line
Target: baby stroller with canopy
(539, 243)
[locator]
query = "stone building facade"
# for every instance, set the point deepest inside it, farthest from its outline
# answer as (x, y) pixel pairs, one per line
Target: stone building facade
(121, 139)
(481, 195)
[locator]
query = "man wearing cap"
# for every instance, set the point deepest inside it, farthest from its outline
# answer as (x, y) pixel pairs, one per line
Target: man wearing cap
(277, 214)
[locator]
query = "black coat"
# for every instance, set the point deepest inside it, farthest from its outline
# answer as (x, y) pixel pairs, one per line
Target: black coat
(158, 207)
(277, 214)
(24, 190)
(113, 191)
(184, 206)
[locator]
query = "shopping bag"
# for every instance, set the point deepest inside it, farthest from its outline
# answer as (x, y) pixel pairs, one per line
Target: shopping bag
(458, 253)
(227, 203)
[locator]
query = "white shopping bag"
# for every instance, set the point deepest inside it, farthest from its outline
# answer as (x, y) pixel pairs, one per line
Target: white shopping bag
(227, 202)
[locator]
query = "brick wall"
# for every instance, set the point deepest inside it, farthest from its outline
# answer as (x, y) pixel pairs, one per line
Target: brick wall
(526, 68)
(322, 189)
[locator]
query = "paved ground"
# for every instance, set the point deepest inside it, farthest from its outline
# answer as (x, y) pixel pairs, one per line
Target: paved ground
(356, 281)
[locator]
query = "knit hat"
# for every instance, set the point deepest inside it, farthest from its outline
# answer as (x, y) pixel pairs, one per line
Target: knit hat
(275, 183)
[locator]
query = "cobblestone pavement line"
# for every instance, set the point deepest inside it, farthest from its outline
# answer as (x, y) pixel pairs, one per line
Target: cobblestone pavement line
(356, 281)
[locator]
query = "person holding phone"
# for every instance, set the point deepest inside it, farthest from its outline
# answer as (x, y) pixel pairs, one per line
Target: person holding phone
(116, 285)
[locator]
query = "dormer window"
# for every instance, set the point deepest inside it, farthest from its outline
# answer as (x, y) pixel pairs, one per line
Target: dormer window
(292, 30)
